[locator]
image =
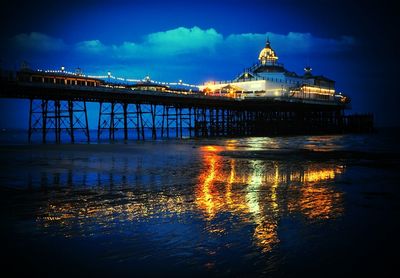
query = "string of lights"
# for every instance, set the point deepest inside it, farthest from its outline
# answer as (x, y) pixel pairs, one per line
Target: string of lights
(110, 77)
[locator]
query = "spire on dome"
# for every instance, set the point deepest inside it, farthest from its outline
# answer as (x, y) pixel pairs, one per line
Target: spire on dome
(268, 44)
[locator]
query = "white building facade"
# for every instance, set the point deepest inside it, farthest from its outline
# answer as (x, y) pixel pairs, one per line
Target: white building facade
(269, 79)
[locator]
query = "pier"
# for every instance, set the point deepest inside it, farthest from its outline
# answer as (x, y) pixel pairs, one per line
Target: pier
(58, 107)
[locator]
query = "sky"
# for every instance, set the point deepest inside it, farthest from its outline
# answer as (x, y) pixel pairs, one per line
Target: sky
(353, 42)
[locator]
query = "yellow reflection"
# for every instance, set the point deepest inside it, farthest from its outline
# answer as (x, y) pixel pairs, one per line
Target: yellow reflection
(319, 202)
(252, 192)
(266, 235)
(316, 200)
(274, 186)
(254, 183)
(228, 194)
(247, 205)
(258, 192)
(231, 145)
(205, 199)
(211, 148)
(126, 208)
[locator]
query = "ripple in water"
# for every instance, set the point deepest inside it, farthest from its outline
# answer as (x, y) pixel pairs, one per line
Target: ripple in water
(241, 207)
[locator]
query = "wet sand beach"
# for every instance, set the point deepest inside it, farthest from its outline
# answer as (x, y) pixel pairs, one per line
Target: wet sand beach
(247, 207)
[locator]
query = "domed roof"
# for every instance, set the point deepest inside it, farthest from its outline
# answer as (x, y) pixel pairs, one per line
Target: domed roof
(267, 54)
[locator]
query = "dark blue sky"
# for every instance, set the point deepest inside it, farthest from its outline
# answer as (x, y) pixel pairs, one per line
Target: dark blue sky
(353, 43)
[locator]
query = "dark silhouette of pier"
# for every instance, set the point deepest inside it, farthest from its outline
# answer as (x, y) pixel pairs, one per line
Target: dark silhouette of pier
(61, 107)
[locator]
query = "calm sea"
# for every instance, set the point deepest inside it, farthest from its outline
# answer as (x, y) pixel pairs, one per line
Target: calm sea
(248, 207)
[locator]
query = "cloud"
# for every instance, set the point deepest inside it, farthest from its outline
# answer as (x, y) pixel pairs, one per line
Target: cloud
(183, 40)
(127, 50)
(92, 46)
(196, 42)
(189, 42)
(37, 42)
(168, 44)
(191, 51)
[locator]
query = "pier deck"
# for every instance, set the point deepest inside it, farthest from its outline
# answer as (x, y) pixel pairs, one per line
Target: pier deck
(59, 107)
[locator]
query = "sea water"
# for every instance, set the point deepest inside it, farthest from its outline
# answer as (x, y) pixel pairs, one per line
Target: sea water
(223, 207)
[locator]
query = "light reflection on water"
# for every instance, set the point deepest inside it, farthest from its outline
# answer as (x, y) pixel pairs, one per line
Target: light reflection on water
(261, 191)
(252, 192)
(245, 207)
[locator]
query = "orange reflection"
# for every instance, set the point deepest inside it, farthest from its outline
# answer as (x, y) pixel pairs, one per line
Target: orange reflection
(319, 202)
(316, 200)
(241, 195)
(254, 191)
(314, 175)
(266, 235)
(251, 191)
(205, 199)
(231, 145)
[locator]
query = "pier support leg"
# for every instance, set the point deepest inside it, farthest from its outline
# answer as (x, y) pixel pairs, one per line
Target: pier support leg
(180, 121)
(99, 121)
(57, 116)
(176, 123)
(30, 120)
(125, 108)
(71, 120)
(190, 122)
(86, 121)
(139, 123)
(111, 129)
(163, 121)
(44, 120)
(204, 131)
(153, 112)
